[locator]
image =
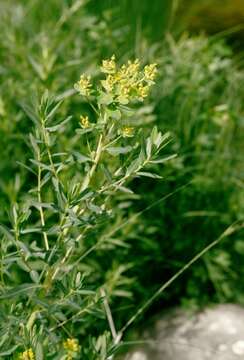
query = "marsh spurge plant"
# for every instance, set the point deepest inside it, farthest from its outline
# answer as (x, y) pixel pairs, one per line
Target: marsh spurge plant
(56, 294)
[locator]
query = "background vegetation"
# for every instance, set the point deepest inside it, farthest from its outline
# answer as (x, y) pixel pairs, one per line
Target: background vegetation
(160, 226)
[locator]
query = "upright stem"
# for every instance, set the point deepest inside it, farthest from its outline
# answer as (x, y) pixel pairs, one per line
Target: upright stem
(39, 179)
(90, 173)
(16, 240)
(84, 185)
(45, 138)
(40, 200)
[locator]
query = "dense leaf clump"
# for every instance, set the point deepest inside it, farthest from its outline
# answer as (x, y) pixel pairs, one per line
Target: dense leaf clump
(112, 188)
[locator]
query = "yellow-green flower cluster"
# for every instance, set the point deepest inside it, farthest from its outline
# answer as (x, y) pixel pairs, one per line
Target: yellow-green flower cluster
(72, 347)
(109, 66)
(83, 86)
(128, 82)
(150, 72)
(121, 85)
(127, 131)
(27, 355)
(84, 120)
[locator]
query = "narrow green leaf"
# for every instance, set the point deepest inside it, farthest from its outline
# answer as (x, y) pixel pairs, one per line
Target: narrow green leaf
(29, 111)
(83, 131)
(118, 150)
(42, 165)
(39, 351)
(80, 157)
(6, 232)
(9, 352)
(26, 167)
(37, 68)
(34, 276)
(148, 174)
(19, 290)
(163, 160)
(34, 143)
(59, 126)
(54, 110)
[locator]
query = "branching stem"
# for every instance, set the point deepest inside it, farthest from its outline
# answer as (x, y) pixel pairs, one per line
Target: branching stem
(40, 200)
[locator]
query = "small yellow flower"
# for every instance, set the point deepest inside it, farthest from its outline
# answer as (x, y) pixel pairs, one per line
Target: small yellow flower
(124, 94)
(109, 66)
(143, 91)
(27, 355)
(84, 122)
(150, 71)
(83, 86)
(133, 67)
(127, 131)
(130, 70)
(71, 345)
(108, 83)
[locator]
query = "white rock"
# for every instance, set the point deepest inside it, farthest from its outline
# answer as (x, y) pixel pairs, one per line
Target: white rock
(216, 333)
(238, 347)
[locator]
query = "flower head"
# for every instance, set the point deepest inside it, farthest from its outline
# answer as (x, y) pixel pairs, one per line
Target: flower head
(109, 66)
(71, 345)
(150, 72)
(127, 131)
(84, 120)
(128, 82)
(83, 86)
(143, 91)
(27, 355)
(109, 83)
(122, 85)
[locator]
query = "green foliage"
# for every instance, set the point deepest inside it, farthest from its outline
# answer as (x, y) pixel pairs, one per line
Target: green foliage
(97, 210)
(200, 101)
(49, 269)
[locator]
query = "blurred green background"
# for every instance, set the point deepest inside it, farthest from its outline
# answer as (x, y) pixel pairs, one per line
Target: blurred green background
(199, 95)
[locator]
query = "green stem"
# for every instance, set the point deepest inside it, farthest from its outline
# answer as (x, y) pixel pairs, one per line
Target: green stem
(46, 142)
(40, 200)
(90, 173)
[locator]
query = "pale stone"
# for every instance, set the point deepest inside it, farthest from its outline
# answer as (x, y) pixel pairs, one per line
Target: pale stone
(238, 347)
(138, 355)
(216, 333)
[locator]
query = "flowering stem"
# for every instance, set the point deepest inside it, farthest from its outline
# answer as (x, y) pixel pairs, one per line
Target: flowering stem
(98, 153)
